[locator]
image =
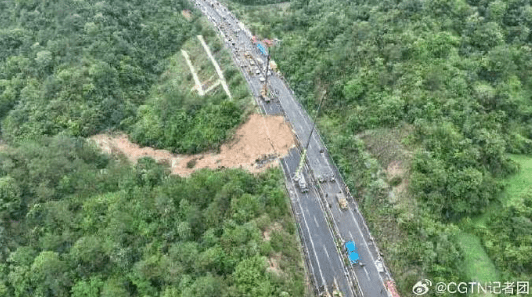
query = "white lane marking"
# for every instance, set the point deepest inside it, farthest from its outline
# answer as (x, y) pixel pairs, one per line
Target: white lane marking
(366, 271)
(352, 238)
(326, 253)
(316, 221)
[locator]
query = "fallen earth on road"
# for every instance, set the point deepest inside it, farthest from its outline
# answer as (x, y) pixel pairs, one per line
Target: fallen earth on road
(254, 147)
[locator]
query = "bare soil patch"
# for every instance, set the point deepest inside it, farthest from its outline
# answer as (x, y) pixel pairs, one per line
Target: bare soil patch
(273, 263)
(396, 169)
(186, 14)
(275, 227)
(254, 147)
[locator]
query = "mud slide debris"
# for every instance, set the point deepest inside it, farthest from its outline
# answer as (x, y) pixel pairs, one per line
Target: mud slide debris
(251, 148)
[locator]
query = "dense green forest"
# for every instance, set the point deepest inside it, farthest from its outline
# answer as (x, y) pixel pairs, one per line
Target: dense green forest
(442, 87)
(74, 222)
(82, 67)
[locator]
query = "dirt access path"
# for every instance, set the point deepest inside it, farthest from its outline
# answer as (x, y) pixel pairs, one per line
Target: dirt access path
(254, 147)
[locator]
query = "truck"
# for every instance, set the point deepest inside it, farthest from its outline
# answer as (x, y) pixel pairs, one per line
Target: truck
(351, 250)
(302, 183)
(262, 49)
(342, 201)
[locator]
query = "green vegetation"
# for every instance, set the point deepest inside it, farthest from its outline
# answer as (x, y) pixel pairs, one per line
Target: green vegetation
(519, 183)
(265, 21)
(175, 117)
(477, 264)
(82, 67)
(455, 77)
(76, 223)
(508, 237)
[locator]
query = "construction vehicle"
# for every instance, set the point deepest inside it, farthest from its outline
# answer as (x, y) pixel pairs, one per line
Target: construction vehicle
(342, 201)
(264, 94)
(301, 182)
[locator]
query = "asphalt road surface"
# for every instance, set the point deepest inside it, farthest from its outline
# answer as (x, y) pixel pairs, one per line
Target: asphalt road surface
(315, 206)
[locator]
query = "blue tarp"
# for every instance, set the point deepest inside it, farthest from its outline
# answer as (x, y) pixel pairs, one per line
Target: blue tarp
(350, 246)
(262, 49)
(353, 257)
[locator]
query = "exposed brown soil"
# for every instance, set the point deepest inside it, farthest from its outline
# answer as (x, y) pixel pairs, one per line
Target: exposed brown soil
(186, 14)
(396, 168)
(273, 264)
(266, 234)
(260, 138)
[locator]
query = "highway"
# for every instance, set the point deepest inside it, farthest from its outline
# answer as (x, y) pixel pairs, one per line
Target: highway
(315, 207)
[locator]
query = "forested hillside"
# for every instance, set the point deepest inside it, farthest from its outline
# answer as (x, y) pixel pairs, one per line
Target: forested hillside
(81, 67)
(75, 223)
(442, 88)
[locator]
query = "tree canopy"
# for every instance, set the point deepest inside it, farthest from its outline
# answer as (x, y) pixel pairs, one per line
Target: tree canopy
(77, 223)
(456, 75)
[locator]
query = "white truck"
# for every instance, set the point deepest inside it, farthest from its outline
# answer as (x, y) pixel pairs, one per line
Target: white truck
(302, 183)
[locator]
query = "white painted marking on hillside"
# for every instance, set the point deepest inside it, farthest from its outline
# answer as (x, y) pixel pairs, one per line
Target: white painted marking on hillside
(216, 66)
(198, 85)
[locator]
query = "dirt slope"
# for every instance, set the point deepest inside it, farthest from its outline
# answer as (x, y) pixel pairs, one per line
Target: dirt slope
(260, 138)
